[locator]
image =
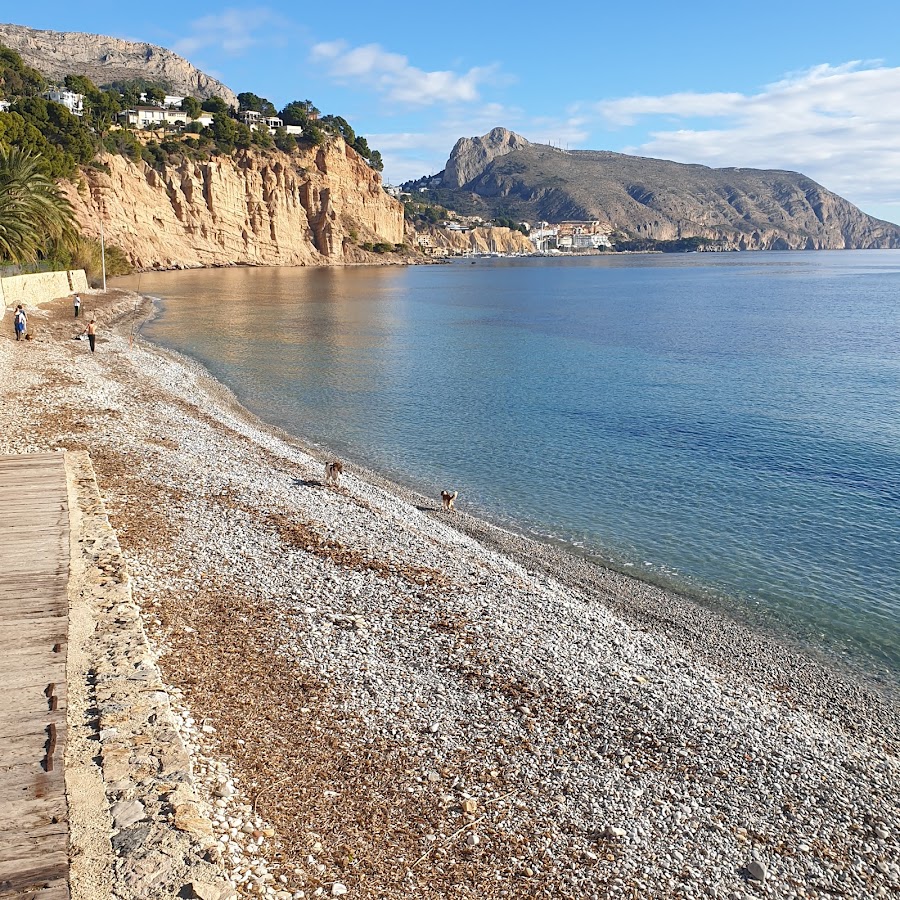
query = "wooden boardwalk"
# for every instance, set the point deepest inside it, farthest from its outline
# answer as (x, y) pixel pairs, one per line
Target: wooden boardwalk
(34, 570)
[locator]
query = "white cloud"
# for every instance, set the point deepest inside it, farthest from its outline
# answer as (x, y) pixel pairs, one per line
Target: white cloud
(837, 124)
(232, 31)
(392, 75)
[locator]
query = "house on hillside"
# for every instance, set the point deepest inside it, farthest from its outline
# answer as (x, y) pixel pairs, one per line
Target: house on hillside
(4, 106)
(157, 117)
(255, 120)
(69, 99)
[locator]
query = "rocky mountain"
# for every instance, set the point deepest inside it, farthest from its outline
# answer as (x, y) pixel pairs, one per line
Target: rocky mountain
(471, 156)
(106, 59)
(312, 208)
(501, 173)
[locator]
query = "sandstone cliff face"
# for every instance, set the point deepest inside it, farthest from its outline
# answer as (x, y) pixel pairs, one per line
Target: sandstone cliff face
(107, 59)
(478, 240)
(310, 208)
(747, 209)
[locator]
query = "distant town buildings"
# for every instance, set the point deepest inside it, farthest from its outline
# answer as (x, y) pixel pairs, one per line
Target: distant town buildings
(574, 235)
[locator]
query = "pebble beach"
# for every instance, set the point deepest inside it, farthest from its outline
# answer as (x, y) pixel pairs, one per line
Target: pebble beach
(385, 699)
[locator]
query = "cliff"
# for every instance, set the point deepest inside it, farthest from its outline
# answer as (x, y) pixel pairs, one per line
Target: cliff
(751, 209)
(106, 59)
(310, 208)
(478, 240)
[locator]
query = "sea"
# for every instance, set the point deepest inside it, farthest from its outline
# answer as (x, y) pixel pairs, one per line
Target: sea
(723, 424)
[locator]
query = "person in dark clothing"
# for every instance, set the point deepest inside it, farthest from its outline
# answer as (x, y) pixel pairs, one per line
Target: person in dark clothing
(91, 332)
(77, 304)
(20, 321)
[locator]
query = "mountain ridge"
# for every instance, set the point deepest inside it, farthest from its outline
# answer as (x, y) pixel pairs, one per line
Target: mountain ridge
(106, 59)
(502, 173)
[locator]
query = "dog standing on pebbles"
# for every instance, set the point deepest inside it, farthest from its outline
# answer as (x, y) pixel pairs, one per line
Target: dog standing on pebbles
(333, 472)
(447, 498)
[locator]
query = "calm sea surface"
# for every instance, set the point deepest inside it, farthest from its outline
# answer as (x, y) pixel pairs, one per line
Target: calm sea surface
(725, 423)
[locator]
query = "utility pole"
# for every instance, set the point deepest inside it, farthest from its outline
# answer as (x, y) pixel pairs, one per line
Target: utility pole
(103, 253)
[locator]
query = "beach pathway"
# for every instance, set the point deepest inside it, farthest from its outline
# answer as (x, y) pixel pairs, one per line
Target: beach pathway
(34, 568)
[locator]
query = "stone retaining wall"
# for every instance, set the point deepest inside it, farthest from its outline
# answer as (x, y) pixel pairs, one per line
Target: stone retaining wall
(137, 830)
(30, 290)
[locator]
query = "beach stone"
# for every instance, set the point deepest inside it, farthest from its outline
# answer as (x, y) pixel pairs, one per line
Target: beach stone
(127, 812)
(338, 889)
(204, 890)
(757, 870)
(472, 840)
(189, 819)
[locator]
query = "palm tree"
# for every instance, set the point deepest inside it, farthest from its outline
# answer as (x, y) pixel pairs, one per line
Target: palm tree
(34, 214)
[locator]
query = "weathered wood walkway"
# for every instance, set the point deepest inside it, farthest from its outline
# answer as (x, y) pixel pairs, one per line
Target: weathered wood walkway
(34, 568)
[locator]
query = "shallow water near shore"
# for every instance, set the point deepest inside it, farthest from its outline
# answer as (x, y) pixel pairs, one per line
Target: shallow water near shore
(726, 424)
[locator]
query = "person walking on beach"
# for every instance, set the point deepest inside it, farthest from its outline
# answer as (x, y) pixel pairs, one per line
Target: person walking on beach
(20, 321)
(77, 304)
(91, 332)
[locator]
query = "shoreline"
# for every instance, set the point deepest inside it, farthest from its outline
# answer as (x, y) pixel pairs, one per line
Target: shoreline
(682, 601)
(421, 701)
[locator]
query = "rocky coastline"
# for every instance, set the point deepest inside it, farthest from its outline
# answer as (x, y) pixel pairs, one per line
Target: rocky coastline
(383, 699)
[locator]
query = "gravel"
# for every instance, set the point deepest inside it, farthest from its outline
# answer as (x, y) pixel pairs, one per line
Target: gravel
(383, 698)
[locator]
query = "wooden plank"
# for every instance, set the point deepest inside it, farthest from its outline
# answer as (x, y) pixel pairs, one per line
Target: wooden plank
(34, 567)
(48, 871)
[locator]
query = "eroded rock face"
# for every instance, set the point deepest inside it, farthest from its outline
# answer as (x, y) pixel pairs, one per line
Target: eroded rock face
(471, 156)
(478, 240)
(107, 59)
(250, 209)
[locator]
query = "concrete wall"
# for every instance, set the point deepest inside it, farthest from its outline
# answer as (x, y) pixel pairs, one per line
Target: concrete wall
(30, 290)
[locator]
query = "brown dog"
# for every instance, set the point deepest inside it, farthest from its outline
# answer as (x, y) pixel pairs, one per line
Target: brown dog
(333, 472)
(447, 498)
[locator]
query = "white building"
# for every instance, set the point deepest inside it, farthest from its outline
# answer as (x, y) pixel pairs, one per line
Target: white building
(157, 117)
(252, 119)
(4, 106)
(168, 101)
(72, 101)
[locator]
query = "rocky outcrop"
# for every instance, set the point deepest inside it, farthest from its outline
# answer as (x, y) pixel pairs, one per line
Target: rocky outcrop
(478, 240)
(747, 209)
(313, 207)
(106, 59)
(471, 156)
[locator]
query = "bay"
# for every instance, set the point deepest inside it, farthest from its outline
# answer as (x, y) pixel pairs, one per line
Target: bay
(724, 424)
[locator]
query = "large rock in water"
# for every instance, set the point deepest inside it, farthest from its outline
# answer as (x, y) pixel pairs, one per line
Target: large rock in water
(501, 173)
(107, 59)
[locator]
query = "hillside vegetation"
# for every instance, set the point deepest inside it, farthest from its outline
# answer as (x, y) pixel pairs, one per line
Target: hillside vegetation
(61, 145)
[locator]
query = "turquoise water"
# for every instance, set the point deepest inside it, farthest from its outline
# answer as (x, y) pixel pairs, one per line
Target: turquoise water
(727, 423)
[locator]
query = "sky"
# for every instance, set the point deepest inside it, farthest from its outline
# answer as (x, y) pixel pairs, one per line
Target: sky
(810, 87)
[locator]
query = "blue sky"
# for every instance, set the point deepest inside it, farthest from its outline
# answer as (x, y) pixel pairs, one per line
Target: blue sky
(813, 87)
